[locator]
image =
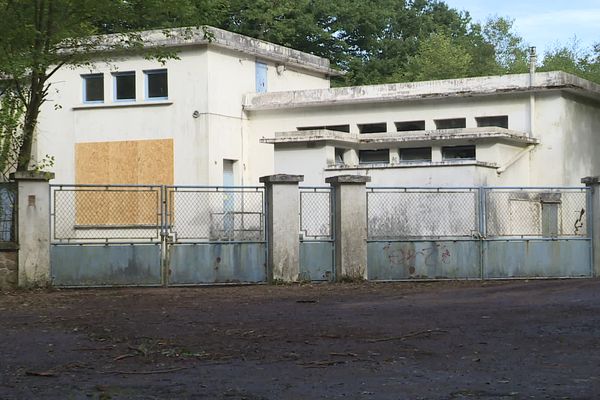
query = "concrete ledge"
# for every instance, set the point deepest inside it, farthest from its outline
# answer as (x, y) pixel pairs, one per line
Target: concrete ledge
(281, 178)
(590, 180)
(348, 179)
(31, 176)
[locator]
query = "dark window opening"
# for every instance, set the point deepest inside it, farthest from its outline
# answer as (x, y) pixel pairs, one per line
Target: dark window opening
(374, 156)
(93, 90)
(415, 154)
(406, 126)
(338, 128)
(125, 86)
(339, 156)
(379, 127)
(501, 121)
(458, 153)
(157, 84)
(452, 123)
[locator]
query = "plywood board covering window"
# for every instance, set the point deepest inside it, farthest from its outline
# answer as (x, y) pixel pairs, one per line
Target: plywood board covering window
(136, 162)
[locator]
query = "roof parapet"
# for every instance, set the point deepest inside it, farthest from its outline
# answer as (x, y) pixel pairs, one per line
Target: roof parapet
(412, 91)
(208, 35)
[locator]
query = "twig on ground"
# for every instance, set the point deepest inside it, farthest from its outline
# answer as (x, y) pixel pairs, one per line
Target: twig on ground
(408, 336)
(158, 371)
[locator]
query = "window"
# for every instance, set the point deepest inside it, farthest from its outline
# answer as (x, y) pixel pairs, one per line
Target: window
(374, 156)
(124, 86)
(458, 153)
(379, 127)
(261, 77)
(500, 121)
(93, 88)
(453, 123)
(415, 154)
(157, 85)
(339, 156)
(406, 126)
(338, 128)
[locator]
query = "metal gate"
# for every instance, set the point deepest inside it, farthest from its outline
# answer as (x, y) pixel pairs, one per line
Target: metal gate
(317, 232)
(479, 233)
(106, 235)
(136, 235)
(215, 235)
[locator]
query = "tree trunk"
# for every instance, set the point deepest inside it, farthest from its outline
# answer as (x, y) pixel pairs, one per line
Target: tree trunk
(32, 111)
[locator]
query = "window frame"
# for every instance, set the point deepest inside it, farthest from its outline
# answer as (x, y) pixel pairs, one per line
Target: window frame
(361, 162)
(474, 158)
(404, 150)
(147, 74)
(84, 92)
(462, 120)
(487, 121)
(115, 76)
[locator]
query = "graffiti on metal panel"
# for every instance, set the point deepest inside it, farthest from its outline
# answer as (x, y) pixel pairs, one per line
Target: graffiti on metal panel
(407, 256)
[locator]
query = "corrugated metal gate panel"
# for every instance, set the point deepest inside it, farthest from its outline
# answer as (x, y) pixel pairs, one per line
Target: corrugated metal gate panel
(479, 233)
(106, 265)
(537, 259)
(217, 263)
(423, 260)
(215, 235)
(317, 234)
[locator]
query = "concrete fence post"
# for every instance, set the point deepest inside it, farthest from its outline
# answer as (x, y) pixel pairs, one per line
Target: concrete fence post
(283, 227)
(33, 227)
(350, 225)
(593, 182)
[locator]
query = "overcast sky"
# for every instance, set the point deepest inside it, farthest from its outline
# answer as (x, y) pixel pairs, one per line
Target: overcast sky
(542, 23)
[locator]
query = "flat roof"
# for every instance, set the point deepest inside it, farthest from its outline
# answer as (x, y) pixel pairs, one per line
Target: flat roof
(412, 91)
(210, 36)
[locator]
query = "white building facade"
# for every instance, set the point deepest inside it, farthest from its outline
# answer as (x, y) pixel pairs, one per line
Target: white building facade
(232, 109)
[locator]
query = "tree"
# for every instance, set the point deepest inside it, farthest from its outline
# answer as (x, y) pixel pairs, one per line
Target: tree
(38, 37)
(510, 52)
(439, 57)
(574, 59)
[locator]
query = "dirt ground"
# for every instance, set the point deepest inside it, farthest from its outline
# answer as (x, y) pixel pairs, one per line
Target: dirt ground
(448, 340)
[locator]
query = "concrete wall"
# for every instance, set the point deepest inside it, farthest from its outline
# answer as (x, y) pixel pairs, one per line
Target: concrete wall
(203, 113)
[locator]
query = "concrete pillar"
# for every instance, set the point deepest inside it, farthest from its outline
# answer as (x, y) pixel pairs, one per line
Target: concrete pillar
(33, 229)
(350, 226)
(283, 226)
(593, 182)
(436, 154)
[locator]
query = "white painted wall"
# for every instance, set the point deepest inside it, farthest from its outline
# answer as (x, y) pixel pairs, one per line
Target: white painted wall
(210, 81)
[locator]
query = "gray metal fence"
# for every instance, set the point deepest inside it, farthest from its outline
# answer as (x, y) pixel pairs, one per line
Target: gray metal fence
(317, 230)
(215, 234)
(106, 235)
(422, 212)
(8, 212)
(215, 214)
(478, 232)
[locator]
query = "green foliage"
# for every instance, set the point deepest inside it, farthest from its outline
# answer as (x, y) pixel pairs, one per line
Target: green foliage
(574, 59)
(439, 57)
(11, 116)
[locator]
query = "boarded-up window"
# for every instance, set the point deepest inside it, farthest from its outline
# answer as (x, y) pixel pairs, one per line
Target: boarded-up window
(138, 162)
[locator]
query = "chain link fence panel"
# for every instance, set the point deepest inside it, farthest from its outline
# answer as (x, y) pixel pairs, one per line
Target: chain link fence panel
(316, 219)
(216, 214)
(106, 213)
(403, 213)
(8, 212)
(536, 212)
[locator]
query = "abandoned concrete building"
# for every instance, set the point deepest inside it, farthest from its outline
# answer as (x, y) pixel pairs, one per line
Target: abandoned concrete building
(233, 108)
